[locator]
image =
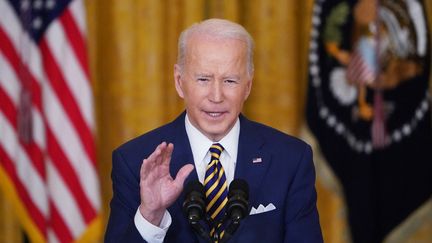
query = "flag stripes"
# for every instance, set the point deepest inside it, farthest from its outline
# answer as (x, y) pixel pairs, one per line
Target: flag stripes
(53, 176)
(76, 40)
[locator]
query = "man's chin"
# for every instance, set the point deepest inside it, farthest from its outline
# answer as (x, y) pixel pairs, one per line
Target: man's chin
(215, 134)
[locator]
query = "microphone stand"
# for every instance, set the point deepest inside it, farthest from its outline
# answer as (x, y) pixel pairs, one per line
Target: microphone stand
(237, 209)
(230, 230)
(199, 229)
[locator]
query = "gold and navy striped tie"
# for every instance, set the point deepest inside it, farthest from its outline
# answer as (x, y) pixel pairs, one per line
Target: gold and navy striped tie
(216, 191)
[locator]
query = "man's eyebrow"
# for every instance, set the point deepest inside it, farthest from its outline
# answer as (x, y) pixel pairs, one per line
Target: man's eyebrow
(231, 77)
(205, 75)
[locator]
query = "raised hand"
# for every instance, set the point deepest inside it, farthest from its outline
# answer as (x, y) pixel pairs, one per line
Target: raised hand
(158, 189)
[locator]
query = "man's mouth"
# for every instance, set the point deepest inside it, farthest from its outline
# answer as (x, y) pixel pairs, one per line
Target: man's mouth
(215, 114)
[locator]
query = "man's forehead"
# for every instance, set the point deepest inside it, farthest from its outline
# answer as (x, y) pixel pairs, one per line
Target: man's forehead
(203, 38)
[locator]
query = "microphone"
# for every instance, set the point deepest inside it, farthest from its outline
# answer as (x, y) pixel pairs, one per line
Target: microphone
(237, 206)
(194, 203)
(194, 207)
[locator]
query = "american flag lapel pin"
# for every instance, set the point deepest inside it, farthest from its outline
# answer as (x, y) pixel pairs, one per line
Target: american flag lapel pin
(257, 160)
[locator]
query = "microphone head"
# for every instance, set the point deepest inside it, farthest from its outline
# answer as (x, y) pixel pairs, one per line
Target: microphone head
(239, 185)
(194, 203)
(238, 205)
(194, 186)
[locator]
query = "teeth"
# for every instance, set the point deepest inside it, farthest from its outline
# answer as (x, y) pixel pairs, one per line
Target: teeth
(214, 114)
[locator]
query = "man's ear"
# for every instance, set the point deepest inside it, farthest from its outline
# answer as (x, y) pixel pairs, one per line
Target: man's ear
(249, 85)
(178, 80)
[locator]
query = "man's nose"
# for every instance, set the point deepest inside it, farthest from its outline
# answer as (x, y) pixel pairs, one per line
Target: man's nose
(216, 92)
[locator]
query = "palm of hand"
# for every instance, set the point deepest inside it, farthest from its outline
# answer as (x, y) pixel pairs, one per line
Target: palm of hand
(158, 190)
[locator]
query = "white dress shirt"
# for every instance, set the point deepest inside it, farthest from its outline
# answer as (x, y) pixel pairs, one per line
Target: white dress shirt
(200, 146)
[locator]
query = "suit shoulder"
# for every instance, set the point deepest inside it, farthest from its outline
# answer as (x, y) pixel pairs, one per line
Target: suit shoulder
(277, 137)
(147, 142)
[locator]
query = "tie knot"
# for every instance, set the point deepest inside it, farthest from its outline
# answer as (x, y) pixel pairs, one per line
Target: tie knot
(217, 149)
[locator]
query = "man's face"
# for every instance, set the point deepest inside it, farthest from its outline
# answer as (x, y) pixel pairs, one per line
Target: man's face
(214, 83)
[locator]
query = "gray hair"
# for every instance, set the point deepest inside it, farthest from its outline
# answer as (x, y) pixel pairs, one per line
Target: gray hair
(219, 28)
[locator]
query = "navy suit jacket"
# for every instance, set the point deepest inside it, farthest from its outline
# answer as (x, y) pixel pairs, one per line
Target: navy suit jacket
(285, 177)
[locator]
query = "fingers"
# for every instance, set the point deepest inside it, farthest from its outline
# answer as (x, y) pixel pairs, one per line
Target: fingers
(182, 174)
(167, 153)
(156, 156)
(161, 155)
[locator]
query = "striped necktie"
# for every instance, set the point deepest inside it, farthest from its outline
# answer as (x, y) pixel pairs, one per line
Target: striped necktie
(215, 186)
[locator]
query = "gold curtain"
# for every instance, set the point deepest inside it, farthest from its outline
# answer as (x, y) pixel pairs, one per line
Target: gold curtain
(133, 46)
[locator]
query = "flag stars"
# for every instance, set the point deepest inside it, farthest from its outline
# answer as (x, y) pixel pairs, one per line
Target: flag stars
(38, 4)
(37, 23)
(25, 5)
(50, 4)
(37, 9)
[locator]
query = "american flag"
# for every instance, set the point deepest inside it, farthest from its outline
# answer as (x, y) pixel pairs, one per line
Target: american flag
(47, 152)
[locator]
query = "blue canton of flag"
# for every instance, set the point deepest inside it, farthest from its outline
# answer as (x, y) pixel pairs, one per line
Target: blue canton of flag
(36, 15)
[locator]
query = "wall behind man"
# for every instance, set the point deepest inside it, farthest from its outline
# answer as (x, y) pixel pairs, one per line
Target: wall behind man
(133, 46)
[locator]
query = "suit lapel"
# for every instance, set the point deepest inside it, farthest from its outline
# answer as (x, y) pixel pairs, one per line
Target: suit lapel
(182, 153)
(252, 160)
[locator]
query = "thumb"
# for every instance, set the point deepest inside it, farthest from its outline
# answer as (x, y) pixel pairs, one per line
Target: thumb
(182, 174)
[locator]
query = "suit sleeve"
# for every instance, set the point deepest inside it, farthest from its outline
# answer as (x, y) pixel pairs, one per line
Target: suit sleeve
(124, 203)
(302, 221)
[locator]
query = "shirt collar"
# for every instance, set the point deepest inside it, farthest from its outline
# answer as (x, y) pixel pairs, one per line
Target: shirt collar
(200, 144)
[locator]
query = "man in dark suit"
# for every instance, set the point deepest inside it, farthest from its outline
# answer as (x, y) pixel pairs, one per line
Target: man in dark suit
(213, 75)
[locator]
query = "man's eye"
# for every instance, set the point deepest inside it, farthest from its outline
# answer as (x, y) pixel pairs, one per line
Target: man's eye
(203, 79)
(230, 81)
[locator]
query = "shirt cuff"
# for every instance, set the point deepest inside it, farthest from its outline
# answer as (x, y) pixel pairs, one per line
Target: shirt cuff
(149, 232)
